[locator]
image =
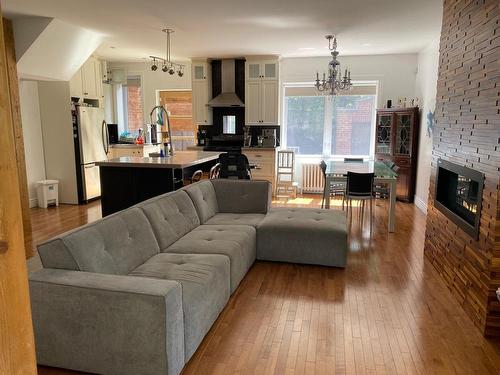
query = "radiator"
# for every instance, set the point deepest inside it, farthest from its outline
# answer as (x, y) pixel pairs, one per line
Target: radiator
(312, 178)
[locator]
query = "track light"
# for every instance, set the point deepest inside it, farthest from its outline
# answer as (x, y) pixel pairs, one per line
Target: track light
(153, 65)
(164, 68)
(180, 73)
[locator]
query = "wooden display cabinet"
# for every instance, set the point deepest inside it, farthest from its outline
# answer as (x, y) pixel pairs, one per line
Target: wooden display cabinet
(397, 141)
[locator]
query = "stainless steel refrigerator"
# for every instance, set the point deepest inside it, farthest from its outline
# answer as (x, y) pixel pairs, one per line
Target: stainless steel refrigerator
(91, 145)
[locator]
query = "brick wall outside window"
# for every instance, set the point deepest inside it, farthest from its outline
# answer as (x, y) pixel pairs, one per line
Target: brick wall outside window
(135, 114)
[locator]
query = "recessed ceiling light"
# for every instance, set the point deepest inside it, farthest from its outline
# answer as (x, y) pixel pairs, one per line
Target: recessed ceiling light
(367, 44)
(112, 47)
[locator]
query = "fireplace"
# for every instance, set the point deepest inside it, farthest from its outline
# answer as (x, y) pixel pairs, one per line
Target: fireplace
(458, 195)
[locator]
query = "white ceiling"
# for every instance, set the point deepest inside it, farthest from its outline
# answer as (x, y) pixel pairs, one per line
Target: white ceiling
(225, 28)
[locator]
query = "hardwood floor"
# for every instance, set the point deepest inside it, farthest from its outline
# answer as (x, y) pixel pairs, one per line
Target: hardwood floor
(386, 312)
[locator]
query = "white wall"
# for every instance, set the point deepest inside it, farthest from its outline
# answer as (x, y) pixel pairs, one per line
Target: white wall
(32, 133)
(395, 73)
(425, 89)
(154, 81)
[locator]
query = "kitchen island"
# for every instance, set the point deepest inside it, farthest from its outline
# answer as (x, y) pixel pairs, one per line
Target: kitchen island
(126, 181)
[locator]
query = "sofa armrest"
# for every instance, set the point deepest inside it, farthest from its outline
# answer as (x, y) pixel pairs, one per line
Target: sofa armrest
(243, 196)
(107, 324)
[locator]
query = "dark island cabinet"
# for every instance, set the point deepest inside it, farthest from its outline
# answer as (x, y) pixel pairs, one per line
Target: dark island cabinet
(397, 141)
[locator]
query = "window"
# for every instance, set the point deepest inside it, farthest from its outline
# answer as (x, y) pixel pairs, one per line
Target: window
(180, 105)
(129, 105)
(337, 126)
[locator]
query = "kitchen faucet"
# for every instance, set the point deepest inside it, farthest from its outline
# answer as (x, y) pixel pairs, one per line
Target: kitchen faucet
(161, 109)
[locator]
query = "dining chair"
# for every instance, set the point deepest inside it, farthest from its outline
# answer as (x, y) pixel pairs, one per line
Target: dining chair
(286, 185)
(360, 188)
(234, 165)
(335, 188)
(196, 176)
(214, 171)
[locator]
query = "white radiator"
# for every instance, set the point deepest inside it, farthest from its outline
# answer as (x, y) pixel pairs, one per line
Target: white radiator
(312, 178)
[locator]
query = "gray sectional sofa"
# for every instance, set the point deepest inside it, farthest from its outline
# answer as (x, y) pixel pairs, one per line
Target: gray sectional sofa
(136, 292)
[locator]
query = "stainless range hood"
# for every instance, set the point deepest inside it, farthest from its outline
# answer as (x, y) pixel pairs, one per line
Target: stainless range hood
(228, 97)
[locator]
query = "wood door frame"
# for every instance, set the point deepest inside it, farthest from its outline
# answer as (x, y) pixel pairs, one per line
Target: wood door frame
(17, 348)
(13, 84)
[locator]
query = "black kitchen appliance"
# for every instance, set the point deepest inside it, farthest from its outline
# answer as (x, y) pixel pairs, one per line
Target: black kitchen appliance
(113, 133)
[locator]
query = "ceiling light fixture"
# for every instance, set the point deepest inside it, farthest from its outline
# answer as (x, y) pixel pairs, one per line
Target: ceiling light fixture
(166, 64)
(335, 81)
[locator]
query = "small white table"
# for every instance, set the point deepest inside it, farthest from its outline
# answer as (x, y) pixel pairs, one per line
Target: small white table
(336, 171)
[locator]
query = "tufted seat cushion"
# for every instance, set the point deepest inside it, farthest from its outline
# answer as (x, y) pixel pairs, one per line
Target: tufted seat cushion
(205, 289)
(236, 219)
(303, 235)
(235, 241)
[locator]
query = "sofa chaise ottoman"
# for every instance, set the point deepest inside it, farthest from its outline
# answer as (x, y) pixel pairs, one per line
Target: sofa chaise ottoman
(137, 291)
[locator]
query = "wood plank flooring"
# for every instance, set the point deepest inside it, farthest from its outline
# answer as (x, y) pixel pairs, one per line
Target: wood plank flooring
(387, 312)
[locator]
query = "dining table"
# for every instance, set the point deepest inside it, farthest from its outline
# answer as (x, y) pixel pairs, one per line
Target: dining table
(336, 171)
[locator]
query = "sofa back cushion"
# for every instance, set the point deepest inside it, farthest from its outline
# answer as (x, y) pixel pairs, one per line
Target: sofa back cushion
(203, 196)
(243, 196)
(114, 245)
(171, 215)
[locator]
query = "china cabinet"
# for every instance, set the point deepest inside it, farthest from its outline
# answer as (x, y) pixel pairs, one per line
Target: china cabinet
(397, 141)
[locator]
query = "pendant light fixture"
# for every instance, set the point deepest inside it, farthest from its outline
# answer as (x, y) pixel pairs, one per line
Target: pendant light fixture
(167, 66)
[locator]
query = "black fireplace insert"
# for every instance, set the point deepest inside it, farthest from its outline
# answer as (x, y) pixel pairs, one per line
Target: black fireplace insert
(458, 195)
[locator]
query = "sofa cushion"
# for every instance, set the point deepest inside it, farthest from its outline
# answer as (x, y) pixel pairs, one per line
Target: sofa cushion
(235, 241)
(303, 235)
(235, 219)
(203, 196)
(114, 245)
(205, 289)
(243, 196)
(171, 215)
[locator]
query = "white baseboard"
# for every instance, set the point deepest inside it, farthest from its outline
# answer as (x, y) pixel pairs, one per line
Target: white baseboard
(421, 205)
(33, 202)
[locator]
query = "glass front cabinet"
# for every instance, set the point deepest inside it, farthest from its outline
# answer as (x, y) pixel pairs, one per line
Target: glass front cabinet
(397, 142)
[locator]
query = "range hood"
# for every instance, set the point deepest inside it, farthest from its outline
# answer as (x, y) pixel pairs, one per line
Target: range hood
(228, 97)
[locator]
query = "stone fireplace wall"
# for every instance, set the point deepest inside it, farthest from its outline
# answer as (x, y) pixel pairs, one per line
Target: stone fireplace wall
(467, 132)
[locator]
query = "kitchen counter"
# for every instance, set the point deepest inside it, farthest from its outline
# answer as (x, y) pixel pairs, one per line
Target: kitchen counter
(259, 148)
(129, 145)
(128, 180)
(180, 159)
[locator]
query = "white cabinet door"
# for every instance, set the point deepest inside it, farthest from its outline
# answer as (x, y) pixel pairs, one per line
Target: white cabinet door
(98, 79)
(269, 70)
(269, 102)
(200, 100)
(199, 71)
(253, 71)
(88, 77)
(76, 85)
(252, 103)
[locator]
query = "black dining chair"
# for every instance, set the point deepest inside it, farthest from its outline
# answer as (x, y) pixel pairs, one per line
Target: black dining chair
(335, 189)
(360, 188)
(234, 165)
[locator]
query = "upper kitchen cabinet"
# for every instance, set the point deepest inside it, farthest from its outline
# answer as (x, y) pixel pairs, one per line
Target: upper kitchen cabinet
(87, 82)
(202, 92)
(262, 70)
(262, 92)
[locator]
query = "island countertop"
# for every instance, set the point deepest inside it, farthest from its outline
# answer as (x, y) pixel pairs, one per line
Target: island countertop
(180, 159)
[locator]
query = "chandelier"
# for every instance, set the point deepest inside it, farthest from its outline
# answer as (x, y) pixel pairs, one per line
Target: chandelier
(334, 82)
(166, 64)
